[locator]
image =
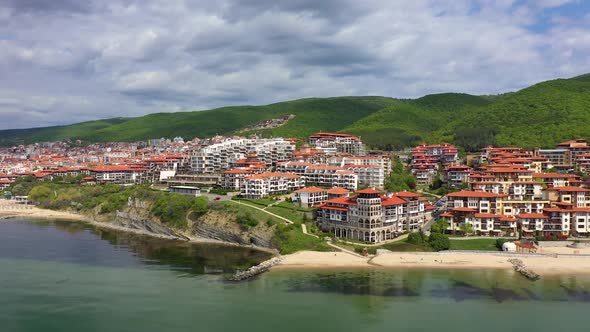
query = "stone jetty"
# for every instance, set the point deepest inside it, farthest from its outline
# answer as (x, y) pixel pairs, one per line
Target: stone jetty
(255, 270)
(519, 267)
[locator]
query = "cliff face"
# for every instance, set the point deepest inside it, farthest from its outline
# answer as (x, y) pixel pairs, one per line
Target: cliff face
(219, 225)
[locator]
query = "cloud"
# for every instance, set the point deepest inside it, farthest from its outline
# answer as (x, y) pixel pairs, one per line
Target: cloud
(65, 61)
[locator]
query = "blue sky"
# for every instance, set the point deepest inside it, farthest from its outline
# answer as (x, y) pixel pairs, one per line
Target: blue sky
(66, 61)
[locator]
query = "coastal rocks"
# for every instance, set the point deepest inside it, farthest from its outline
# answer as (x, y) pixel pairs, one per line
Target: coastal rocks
(221, 226)
(135, 222)
(255, 270)
(519, 267)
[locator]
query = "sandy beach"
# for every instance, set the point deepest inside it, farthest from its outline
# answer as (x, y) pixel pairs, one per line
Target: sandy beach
(553, 262)
(544, 265)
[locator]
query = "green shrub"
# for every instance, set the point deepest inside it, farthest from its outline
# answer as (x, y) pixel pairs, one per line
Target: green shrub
(417, 238)
(438, 242)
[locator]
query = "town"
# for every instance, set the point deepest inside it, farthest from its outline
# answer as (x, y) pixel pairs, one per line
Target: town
(501, 191)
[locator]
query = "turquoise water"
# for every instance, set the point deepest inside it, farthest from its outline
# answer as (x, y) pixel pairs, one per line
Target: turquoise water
(59, 276)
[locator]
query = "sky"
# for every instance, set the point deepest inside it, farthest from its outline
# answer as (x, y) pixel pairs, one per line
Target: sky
(67, 61)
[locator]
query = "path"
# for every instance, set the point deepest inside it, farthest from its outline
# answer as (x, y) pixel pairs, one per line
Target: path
(263, 210)
(399, 238)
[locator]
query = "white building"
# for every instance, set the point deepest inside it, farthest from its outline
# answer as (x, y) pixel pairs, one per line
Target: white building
(270, 183)
(219, 156)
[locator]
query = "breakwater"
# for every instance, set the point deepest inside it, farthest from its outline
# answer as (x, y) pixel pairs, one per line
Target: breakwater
(519, 267)
(255, 270)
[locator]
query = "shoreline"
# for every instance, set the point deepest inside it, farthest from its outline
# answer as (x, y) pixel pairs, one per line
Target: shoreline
(545, 265)
(38, 213)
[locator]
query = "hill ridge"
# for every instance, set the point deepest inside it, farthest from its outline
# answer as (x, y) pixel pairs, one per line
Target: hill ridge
(542, 115)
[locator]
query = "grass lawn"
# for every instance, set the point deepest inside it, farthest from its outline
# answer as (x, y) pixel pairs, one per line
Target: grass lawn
(286, 213)
(259, 215)
(289, 205)
(290, 239)
(474, 244)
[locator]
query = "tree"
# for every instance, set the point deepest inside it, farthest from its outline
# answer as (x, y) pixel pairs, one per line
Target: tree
(466, 228)
(438, 242)
(417, 238)
(40, 193)
(437, 182)
(440, 226)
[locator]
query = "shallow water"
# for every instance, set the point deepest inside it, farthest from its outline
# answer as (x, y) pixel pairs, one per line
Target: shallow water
(61, 276)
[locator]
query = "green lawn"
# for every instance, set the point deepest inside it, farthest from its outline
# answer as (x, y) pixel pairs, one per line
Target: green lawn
(290, 239)
(259, 215)
(474, 244)
(289, 205)
(294, 216)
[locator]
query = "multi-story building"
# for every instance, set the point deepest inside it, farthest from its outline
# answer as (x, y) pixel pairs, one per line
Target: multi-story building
(310, 196)
(383, 161)
(118, 174)
(373, 217)
(220, 156)
(368, 175)
(270, 183)
(330, 176)
(332, 143)
(457, 176)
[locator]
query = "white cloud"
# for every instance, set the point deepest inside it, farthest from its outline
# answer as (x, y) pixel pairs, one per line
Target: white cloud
(66, 61)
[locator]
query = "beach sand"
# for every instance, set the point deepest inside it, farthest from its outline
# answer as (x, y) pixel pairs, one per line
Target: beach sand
(544, 265)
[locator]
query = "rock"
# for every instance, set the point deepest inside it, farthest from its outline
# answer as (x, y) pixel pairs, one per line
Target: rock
(255, 270)
(519, 267)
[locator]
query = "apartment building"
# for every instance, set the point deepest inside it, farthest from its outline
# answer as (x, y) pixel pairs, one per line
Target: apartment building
(565, 154)
(270, 183)
(330, 176)
(310, 196)
(220, 156)
(373, 217)
(368, 175)
(457, 176)
(118, 174)
(333, 143)
(383, 161)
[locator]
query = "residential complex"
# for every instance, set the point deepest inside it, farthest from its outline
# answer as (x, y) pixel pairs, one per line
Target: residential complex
(372, 216)
(511, 191)
(334, 143)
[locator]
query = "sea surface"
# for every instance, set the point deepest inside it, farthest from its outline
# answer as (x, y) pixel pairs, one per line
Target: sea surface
(68, 276)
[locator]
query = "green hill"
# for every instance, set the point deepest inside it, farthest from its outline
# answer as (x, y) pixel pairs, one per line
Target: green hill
(541, 115)
(311, 115)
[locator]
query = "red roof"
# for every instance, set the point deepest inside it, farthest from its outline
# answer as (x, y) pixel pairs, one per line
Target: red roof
(338, 191)
(532, 216)
(311, 190)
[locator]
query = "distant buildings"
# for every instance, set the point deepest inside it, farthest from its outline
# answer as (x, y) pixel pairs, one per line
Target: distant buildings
(218, 157)
(427, 160)
(270, 183)
(333, 143)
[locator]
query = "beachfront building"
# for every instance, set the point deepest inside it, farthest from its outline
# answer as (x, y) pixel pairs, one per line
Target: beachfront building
(270, 183)
(370, 216)
(333, 143)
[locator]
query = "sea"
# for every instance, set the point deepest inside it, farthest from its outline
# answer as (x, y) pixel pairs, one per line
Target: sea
(69, 276)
